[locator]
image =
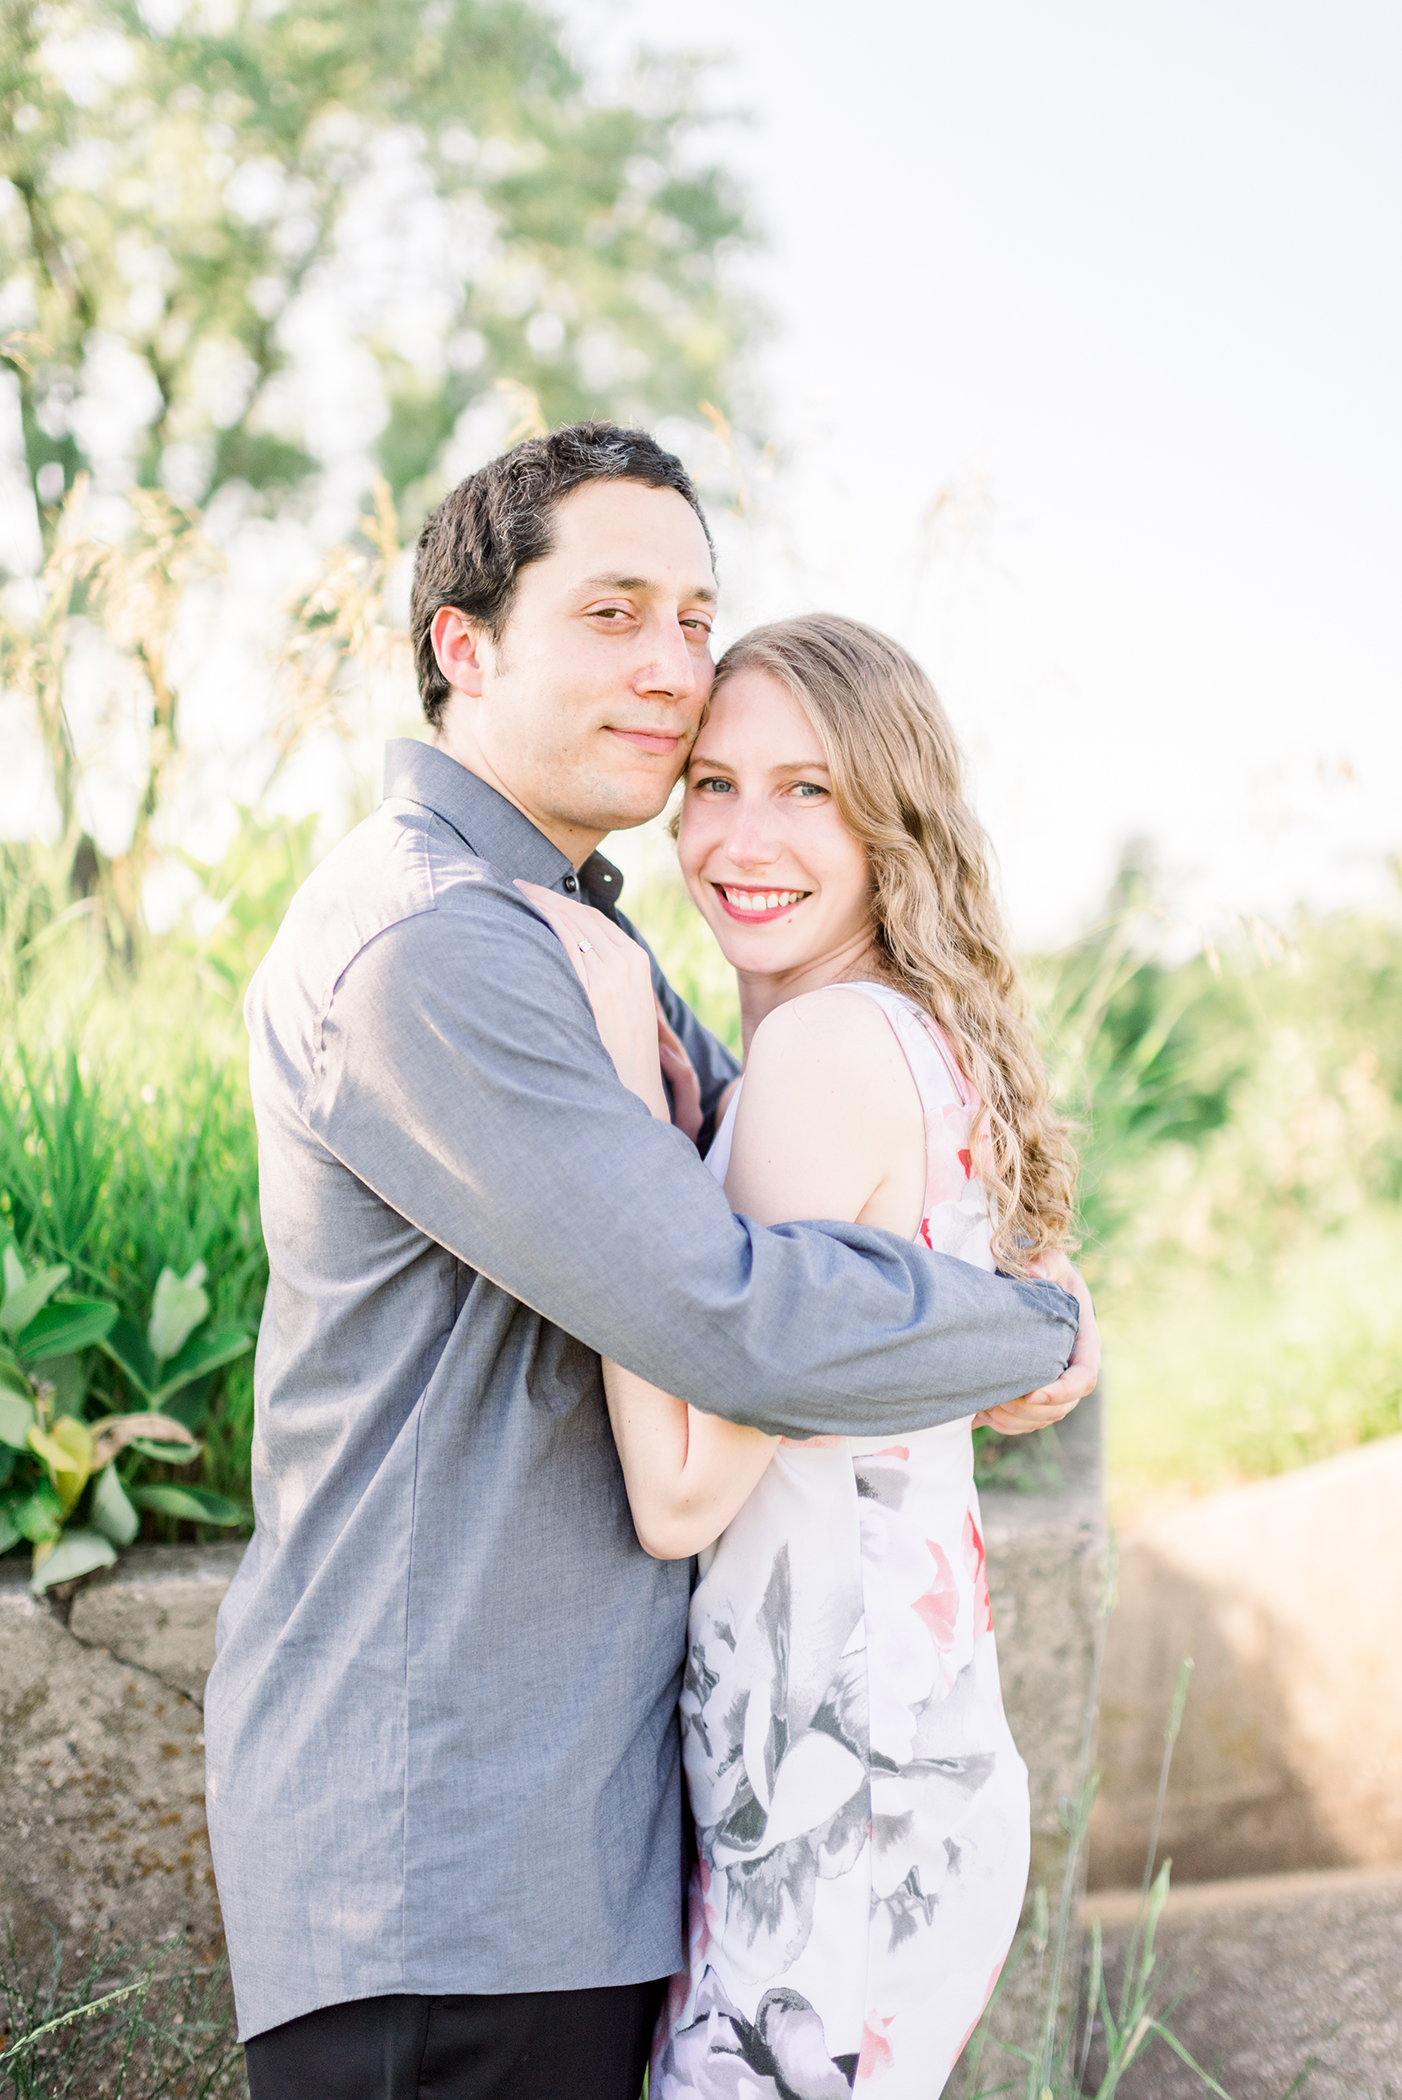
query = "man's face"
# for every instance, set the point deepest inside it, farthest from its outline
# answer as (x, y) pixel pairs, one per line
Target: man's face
(585, 711)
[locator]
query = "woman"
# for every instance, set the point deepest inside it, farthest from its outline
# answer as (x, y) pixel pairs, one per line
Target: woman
(861, 1810)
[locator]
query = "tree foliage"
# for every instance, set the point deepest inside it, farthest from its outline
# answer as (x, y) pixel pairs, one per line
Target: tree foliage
(209, 206)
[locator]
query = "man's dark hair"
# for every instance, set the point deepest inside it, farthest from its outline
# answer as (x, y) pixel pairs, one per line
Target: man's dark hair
(475, 545)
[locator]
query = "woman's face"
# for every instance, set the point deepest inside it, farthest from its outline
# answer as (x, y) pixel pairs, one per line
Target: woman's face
(778, 876)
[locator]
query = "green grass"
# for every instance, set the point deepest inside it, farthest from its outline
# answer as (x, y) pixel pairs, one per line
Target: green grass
(122, 2024)
(1218, 1377)
(137, 1152)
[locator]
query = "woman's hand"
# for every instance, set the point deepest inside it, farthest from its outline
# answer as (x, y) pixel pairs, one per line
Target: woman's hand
(617, 977)
(1052, 1403)
(680, 1075)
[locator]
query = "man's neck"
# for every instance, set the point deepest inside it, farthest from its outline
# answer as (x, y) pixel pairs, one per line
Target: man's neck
(571, 839)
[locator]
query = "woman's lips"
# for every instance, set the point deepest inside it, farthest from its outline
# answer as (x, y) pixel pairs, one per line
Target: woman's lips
(753, 907)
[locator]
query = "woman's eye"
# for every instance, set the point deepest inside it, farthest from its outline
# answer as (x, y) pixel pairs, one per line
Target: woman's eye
(808, 790)
(712, 786)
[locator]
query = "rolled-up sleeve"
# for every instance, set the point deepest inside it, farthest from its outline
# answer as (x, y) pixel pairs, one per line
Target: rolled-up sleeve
(461, 1078)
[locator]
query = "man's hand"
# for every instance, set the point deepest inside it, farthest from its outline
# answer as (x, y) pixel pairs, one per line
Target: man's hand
(1052, 1403)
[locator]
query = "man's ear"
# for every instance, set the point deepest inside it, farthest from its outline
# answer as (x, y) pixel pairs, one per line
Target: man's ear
(463, 649)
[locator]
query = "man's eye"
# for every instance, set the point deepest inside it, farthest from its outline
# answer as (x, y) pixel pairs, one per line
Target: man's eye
(702, 627)
(610, 612)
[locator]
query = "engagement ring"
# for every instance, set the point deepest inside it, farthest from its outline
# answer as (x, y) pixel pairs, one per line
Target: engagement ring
(586, 947)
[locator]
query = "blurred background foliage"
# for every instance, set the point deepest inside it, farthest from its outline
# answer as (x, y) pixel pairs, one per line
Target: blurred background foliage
(259, 263)
(192, 194)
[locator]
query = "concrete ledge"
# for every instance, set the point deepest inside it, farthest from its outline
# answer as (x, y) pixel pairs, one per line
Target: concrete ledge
(1288, 1596)
(1274, 1970)
(157, 1608)
(102, 1809)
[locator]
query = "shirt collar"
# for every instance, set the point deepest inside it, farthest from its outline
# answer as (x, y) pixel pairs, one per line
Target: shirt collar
(489, 825)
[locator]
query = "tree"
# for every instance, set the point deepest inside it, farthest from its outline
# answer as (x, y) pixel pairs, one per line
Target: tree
(207, 210)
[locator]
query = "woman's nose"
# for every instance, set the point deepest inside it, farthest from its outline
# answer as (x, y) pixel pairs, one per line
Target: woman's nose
(750, 842)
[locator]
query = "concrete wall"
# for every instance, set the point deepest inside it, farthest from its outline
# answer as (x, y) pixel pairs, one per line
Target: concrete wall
(102, 1806)
(102, 1803)
(1288, 1596)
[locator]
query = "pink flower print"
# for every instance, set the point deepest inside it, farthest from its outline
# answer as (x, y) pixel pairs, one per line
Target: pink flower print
(925, 1234)
(968, 2032)
(877, 2054)
(895, 1451)
(975, 1563)
(938, 1609)
(949, 1159)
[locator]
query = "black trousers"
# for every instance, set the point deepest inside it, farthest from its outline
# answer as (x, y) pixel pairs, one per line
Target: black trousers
(529, 2045)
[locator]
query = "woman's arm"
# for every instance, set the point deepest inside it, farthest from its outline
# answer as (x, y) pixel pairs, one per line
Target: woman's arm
(686, 1473)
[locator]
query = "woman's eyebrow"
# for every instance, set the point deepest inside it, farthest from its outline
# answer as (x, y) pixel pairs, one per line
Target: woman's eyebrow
(792, 765)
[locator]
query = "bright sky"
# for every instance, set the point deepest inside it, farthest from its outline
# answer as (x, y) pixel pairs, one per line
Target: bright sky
(1124, 285)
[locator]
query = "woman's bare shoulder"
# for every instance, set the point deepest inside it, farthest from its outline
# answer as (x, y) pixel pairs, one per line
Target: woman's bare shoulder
(835, 1042)
(828, 1108)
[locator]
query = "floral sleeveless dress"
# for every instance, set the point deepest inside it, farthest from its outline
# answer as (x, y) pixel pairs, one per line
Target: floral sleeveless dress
(861, 1810)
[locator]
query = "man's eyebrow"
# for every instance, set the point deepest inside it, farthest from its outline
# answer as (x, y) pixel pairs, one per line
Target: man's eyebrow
(704, 592)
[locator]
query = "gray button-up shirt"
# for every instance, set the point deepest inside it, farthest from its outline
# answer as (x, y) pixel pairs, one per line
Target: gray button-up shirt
(442, 1746)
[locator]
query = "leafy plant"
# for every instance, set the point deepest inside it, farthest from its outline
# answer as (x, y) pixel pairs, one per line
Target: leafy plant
(60, 1486)
(138, 1157)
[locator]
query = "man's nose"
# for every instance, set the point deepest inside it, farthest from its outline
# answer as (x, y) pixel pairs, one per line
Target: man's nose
(674, 668)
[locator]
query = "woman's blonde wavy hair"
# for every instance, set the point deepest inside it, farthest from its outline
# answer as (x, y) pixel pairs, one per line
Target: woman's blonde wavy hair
(896, 778)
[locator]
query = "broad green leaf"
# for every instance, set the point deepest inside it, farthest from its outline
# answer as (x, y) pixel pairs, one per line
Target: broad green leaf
(21, 1305)
(17, 1418)
(181, 1302)
(67, 1450)
(10, 1534)
(13, 1269)
(63, 1329)
(12, 1378)
(39, 1515)
(110, 1512)
(78, 1552)
(206, 1352)
(127, 1347)
(68, 1375)
(198, 1504)
(166, 1454)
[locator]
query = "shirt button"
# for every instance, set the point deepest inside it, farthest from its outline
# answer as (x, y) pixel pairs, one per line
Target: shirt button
(571, 883)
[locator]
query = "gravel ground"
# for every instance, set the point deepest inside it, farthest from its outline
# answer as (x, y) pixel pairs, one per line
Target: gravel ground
(1274, 1972)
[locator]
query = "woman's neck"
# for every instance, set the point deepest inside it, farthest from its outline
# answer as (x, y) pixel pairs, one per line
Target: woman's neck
(761, 993)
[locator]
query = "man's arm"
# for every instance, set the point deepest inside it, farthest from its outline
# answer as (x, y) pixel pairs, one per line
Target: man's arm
(461, 1078)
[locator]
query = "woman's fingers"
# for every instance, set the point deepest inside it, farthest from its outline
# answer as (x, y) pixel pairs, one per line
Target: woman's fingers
(680, 1074)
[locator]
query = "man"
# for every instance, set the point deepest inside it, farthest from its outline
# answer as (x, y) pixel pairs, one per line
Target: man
(444, 1790)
